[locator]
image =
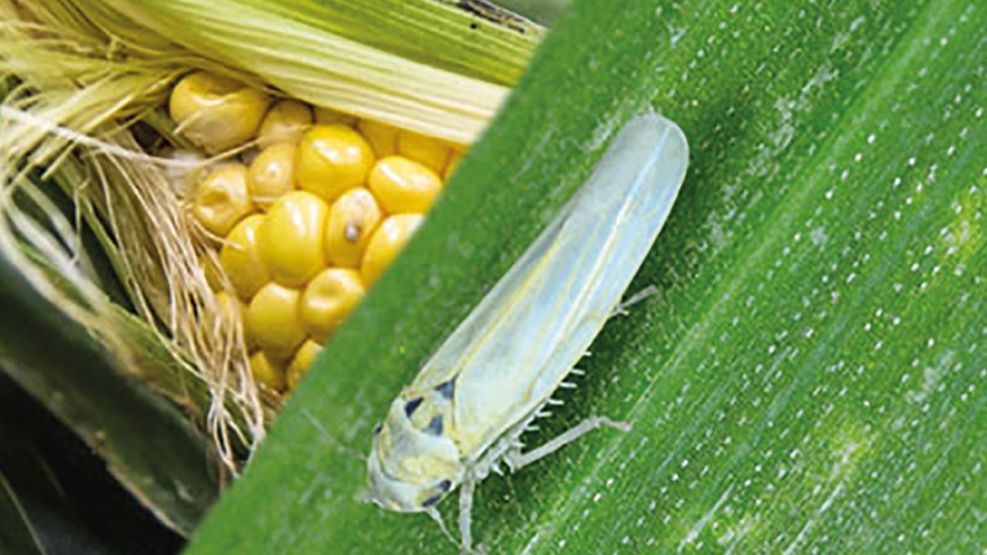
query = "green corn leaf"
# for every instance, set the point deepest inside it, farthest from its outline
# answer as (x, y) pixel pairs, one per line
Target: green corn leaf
(811, 375)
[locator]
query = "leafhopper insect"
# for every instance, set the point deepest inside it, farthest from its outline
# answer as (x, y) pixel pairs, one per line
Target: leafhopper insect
(465, 412)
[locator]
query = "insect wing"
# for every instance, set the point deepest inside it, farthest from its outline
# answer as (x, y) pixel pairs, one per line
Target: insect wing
(514, 349)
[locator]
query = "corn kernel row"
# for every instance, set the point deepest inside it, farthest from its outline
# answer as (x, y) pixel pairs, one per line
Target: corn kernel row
(308, 215)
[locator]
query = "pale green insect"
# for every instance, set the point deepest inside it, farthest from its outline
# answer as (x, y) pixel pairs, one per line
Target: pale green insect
(465, 411)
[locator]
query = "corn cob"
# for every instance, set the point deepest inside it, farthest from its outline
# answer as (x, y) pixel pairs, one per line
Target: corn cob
(306, 216)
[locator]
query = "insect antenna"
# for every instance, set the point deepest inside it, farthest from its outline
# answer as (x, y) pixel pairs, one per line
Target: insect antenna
(340, 446)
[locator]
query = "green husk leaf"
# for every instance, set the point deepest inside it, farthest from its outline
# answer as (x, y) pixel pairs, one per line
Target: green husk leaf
(325, 53)
(541, 11)
(62, 491)
(17, 535)
(149, 445)
(810, 376)
(457, 36)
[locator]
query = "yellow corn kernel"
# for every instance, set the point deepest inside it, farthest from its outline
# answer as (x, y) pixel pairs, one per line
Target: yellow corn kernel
(221, 199)
(290, 239)
(328, 299)
(216, 112)
(382, 137)
(241, 260)
(284, 123)
(454, 159)
(352, 221)
(274, 320)
(328, 116)
(403, 185)
(429, 151)
(272, 174)
(386, 243)
(331, 160)
(266, 371)
(301, 362)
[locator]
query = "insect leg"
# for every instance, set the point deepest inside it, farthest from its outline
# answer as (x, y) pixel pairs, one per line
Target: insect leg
(466, 512)
(516, 459)
(622, 306)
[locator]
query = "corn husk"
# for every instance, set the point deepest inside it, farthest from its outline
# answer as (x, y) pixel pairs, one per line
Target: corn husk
(83, 88)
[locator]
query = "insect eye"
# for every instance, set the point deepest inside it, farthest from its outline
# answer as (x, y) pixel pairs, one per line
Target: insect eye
(447, 389)
(411, 406)
(377, 429)
(431, 501)
(435, 426)
(444, 485)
